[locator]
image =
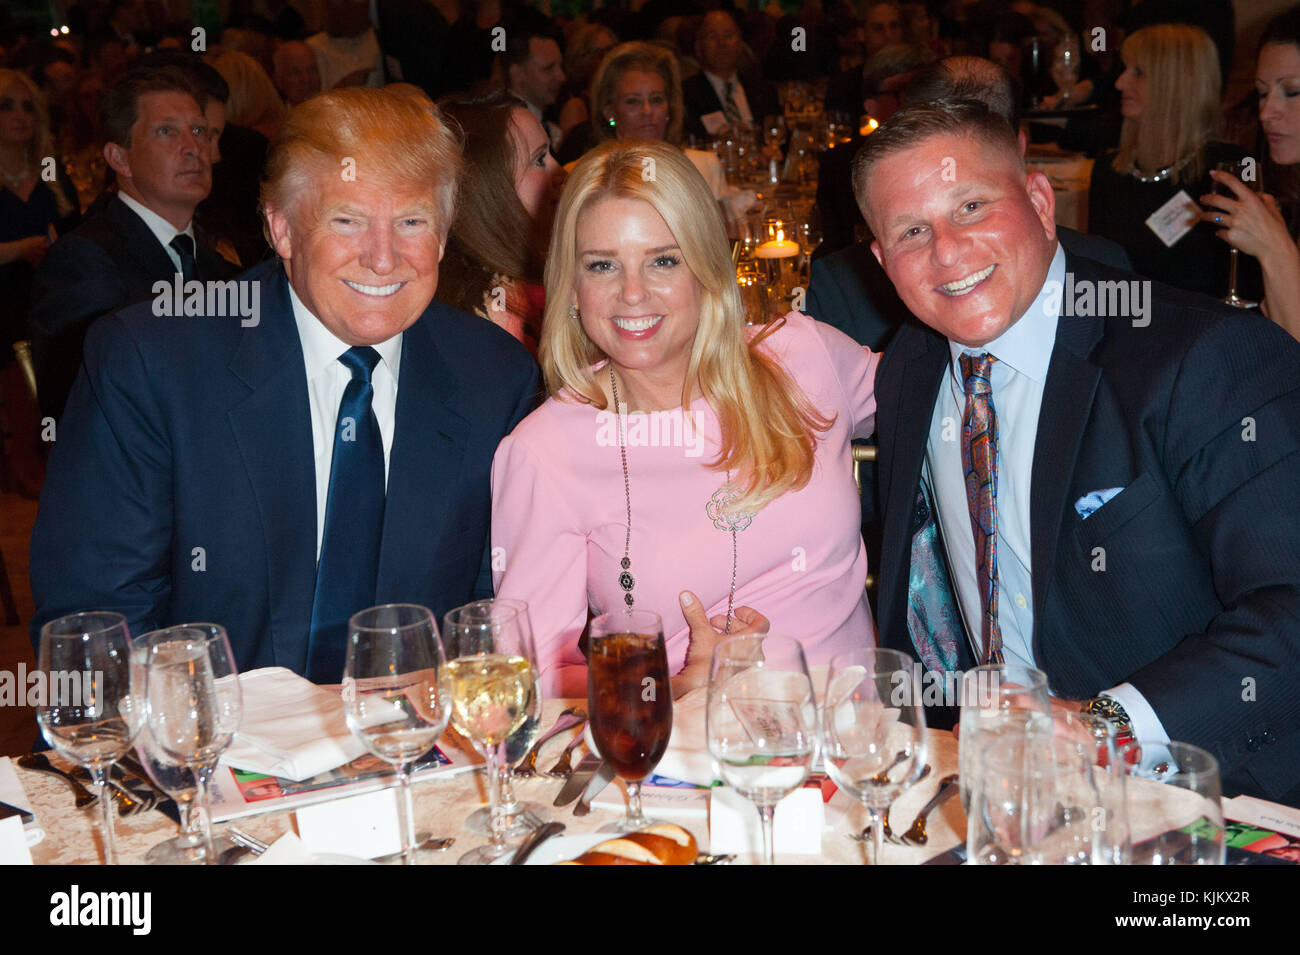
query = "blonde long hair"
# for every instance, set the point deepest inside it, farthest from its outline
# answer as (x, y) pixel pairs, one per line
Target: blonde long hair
(42, 141)
(769, 428)
(1181, 66)
(647, 58)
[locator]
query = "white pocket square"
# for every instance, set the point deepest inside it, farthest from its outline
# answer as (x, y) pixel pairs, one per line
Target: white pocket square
(1086, 505)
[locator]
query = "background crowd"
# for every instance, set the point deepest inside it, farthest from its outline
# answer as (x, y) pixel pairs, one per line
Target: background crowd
(166, 136)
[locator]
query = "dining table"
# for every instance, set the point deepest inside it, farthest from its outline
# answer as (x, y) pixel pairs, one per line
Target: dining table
(442, 806)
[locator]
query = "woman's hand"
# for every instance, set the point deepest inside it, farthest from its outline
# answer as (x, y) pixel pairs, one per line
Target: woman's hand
(31, 250)
(1248, 221)
(705, 635)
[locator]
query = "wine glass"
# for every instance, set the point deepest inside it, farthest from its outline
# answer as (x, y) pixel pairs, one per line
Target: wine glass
(1012, 783)
(1091, 822)
(172, 776)
(395, 694)
(1182, 819)
(519, 818)
(996, 699)
(1233, 168)
(761, 721)
(194, 705)
(630, 701)
(90, 712)
(873, 730)
(492, 672)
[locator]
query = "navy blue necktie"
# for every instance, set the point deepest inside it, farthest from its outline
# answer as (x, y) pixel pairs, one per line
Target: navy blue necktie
(184, 247)
(354, 521)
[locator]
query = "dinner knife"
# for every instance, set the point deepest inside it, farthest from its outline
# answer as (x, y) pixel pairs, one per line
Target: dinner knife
(603, 777)
(578, 779)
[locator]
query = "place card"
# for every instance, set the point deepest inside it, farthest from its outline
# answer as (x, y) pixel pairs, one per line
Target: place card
(364, 826)
(797, 828)
(1266, 815)
(13, 842)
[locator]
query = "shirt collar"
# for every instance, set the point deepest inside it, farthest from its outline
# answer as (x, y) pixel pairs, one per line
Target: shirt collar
(1026, 347)
(163, 230)
(720, 82)
(321, 349)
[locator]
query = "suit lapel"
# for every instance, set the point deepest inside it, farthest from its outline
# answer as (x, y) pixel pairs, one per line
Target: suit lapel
(430, 440)
(139, 243)
(1067, 404)
(272, 428)
(923, 356)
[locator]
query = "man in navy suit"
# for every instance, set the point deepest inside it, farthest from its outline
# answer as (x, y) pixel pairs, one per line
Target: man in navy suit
(158, 145)
(717, 95)
(279, 472)
(1101, 470)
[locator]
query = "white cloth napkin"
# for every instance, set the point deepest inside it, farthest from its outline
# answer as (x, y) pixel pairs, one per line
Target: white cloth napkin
(291, 727)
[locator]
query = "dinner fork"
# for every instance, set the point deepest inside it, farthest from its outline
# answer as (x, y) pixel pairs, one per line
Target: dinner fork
(916, 835)
(573, 716)
(564, 768)
(865, 834)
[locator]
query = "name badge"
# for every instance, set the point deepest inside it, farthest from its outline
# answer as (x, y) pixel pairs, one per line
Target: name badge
(1175, 218)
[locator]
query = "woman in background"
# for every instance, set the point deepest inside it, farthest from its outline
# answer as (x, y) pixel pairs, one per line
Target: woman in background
(1255, 223)
(33, 212)
(497, 244)
(1169, 97)
(582, 54)
(253, 101)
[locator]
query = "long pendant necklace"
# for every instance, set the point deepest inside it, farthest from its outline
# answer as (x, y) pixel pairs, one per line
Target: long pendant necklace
(718, 509)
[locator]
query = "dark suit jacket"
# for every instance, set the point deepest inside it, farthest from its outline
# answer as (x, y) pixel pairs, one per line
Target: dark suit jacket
(108, 262)
(1195, 417)
(849, 289)
(182, 486)
(700, 99)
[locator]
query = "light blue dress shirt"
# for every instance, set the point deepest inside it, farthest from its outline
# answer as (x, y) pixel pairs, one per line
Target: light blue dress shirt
(1023, 353)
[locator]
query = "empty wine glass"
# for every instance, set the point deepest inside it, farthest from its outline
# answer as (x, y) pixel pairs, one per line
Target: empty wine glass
(761, 721)
(629, 700)
(395, 695)
(194, 705)
(519, 818)
(1174, 804)
(873, 730)
(172, 776)
(996, 699)
(90, 713)
(492, 675)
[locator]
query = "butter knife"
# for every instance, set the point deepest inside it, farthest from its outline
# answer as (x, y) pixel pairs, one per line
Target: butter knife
(603, 777)
(575, 784)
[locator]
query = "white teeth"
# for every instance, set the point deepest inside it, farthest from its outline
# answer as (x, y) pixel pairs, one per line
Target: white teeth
(965, 285)
(374, 289)
(637, 324)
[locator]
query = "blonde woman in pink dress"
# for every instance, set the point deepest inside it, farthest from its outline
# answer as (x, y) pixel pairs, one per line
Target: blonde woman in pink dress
(723, 497)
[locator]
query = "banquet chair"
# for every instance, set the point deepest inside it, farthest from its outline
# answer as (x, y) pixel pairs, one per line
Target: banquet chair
(863, 453)
(23, 352)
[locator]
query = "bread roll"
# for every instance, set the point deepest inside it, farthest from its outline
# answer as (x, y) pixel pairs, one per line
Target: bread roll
(661, 844)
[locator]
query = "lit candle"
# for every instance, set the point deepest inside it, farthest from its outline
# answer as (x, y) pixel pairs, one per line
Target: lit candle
(778, 248)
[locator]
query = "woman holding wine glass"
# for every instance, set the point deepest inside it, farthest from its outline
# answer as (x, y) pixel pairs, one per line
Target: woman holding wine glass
(1169, 98)
(725, 483)
(1254, 222)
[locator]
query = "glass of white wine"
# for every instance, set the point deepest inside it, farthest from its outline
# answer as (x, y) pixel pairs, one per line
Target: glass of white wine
(89, 714)
(395, 694)
(519, 818)
(492, 674)
(761, 721)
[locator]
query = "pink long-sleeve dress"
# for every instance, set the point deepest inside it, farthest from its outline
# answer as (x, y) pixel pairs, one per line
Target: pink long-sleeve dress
(559, 517)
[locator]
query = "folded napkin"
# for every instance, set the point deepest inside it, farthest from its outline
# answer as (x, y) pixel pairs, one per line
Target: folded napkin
(291, 728)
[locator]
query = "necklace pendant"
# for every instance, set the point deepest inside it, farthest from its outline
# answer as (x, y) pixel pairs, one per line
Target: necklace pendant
(625, 563)
(626, 581)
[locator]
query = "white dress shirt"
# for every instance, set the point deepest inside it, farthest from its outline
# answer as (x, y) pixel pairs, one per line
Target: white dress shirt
(1023, 353)
(327, 377)
(163, 230)
(719, 85)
